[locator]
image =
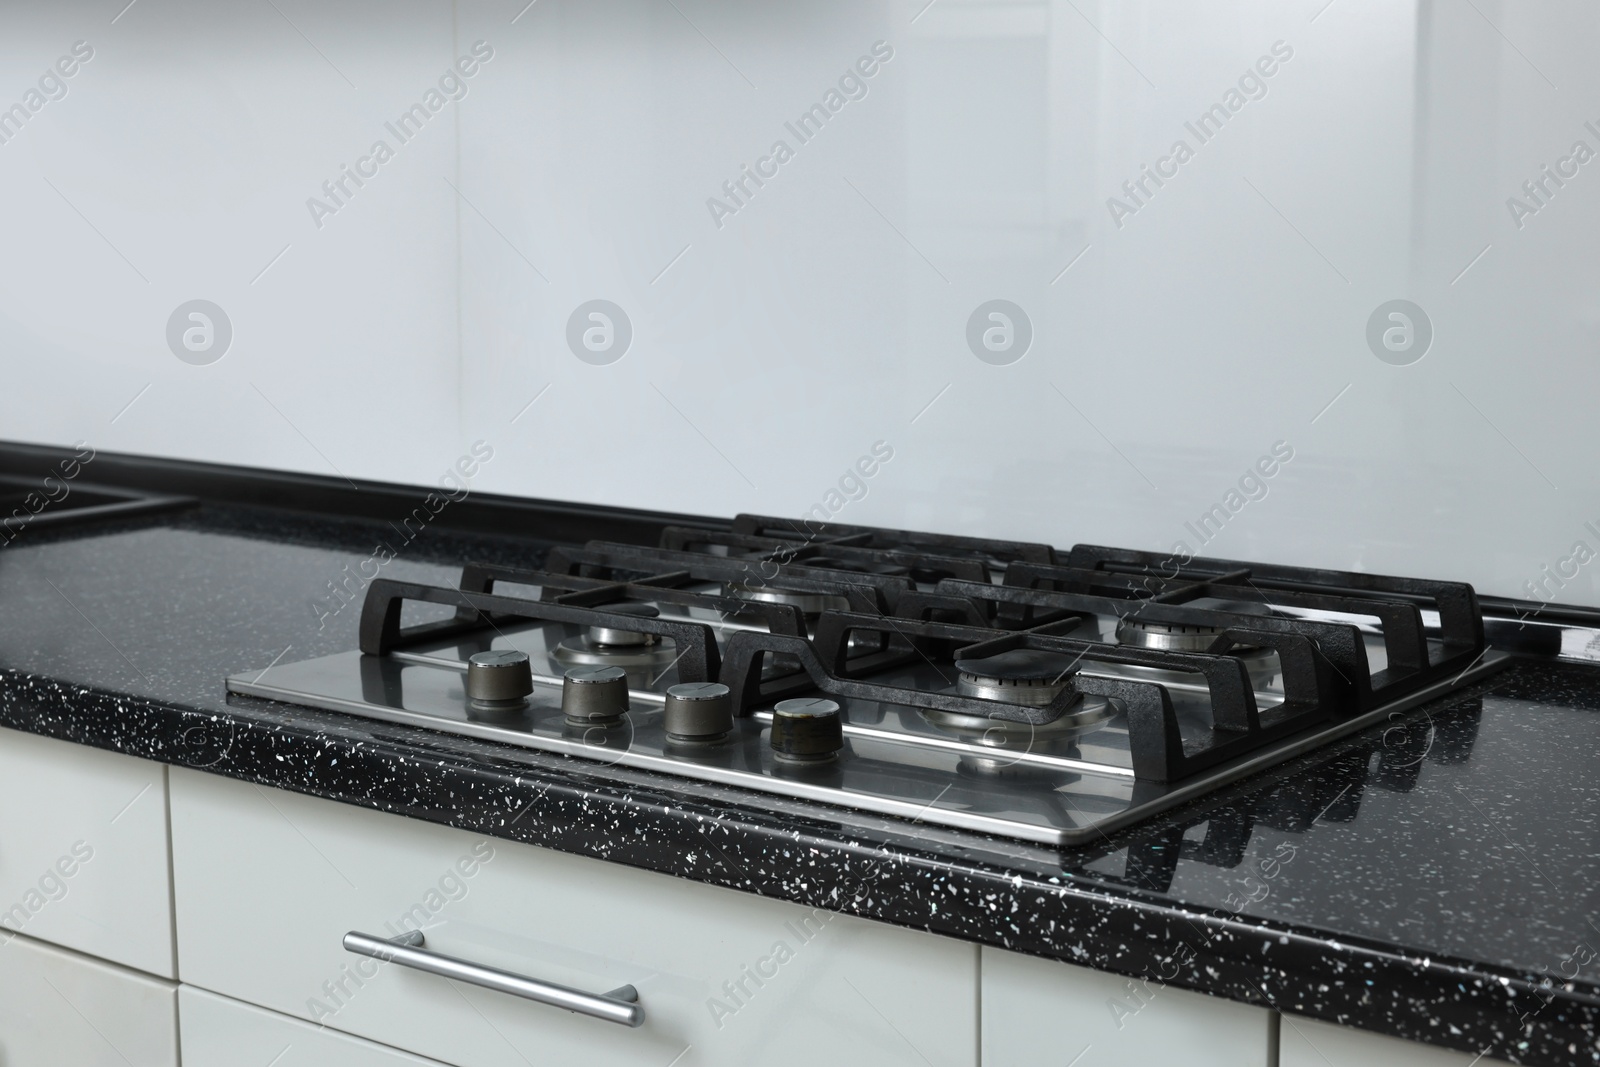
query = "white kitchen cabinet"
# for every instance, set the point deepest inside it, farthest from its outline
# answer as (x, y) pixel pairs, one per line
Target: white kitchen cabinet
(59, 1007)
(84, 850)
(267, 883)
(1310, 1043)
(218, 1032)
(1038, 1011)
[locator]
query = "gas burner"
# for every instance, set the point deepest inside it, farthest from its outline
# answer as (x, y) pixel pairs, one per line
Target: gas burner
(606, 646)
(1261, 663)
(808, 603)
(1168, 636)
(1022, 676)
(1188, 637)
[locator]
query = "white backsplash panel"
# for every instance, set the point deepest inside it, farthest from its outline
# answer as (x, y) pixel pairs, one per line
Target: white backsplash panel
(178, 167)
(1066, 271)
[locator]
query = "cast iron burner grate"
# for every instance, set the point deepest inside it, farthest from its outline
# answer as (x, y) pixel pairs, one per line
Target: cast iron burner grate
(981, 684)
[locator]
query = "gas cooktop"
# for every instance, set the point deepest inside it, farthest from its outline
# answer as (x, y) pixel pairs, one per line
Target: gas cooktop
(1001, 687)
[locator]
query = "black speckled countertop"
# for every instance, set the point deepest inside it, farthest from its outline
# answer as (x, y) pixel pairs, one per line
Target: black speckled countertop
(1433, 880)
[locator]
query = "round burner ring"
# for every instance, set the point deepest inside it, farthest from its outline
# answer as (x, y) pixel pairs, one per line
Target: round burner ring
(1166, 636)
(606, 635)
(610, 646)
(808, 603)
(1022, 676)
(580, 651)
(610, 636)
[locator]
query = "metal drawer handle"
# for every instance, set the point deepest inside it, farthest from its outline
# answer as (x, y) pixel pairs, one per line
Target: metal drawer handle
(621, 1005)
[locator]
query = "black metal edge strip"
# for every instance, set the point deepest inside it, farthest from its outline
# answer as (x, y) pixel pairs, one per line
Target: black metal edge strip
(1507, 608)
(479, 513)
(128, 506)
(1024, 550)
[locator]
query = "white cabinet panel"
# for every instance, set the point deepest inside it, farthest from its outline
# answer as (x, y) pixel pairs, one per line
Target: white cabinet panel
(59, 1007)
(1309, 1043)
(83, 850)
(267, 884)
(1038, 1011)
(218, 1032)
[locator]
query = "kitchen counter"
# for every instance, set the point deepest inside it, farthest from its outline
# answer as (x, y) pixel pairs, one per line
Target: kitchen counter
(1433, 879)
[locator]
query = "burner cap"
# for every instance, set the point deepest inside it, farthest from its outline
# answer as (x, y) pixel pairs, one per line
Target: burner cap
(808, 603)
(1021, 676)
(1168, 636)
(609, 637)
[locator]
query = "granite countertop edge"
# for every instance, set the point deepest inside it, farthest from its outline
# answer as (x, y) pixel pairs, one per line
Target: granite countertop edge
(897, 878)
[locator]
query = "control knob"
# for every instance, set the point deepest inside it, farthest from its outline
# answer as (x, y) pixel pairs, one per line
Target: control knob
(806, 730)
(594, 696)
(698, 712)
(499, 679)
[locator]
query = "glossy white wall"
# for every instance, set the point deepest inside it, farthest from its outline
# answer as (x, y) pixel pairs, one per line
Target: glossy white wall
(177, 167)
(1175, 340)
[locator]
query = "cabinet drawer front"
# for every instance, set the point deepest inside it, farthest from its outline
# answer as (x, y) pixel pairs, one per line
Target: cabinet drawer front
(1039, 1011)
(268, 883)
(84, 864)
(218, 1032)
(59, 1007)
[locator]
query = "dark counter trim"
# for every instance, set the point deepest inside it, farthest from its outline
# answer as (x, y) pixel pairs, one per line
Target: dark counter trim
(325, 497)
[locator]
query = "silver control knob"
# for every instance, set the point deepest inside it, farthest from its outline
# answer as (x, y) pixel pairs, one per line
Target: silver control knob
(698, 712)
(499, 679)
(806, 730)
(594, 696)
